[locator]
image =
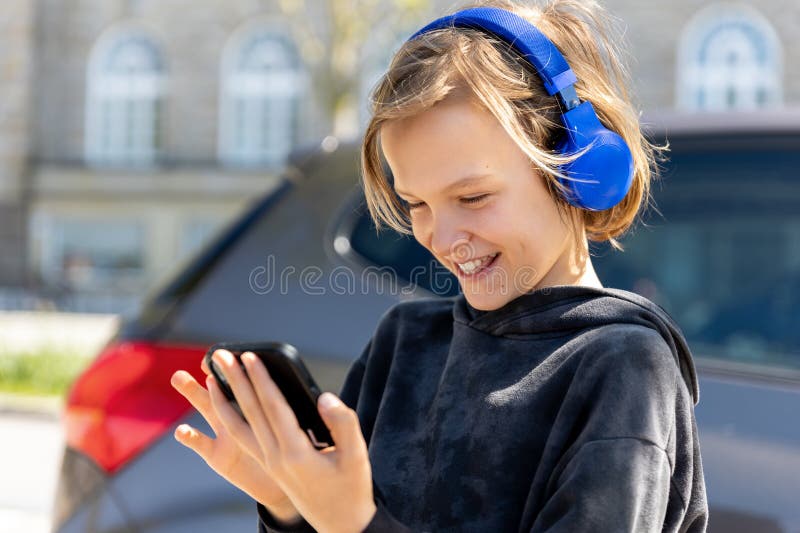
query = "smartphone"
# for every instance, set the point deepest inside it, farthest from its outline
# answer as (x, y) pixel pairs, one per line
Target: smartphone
(287, 370)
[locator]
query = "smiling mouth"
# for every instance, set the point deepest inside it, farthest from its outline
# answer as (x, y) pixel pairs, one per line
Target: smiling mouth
(475, 266)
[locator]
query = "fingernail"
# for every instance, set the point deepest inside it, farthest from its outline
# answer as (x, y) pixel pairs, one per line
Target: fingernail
(174, 380)
(328, 400)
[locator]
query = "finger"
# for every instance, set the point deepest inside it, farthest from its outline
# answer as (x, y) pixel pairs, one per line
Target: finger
(194, 440)
(216, 361)
(184, 383)
(343, 424)
(232, 421)
(291, 438)
(248, 401)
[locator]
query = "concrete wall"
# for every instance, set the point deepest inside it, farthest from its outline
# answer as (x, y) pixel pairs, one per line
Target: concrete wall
(16, 27)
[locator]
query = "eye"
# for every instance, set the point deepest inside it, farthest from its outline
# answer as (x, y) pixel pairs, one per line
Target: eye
(475, 199)
(410, 205)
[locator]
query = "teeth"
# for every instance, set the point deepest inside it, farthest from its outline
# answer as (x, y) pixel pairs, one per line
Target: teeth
(470, 267)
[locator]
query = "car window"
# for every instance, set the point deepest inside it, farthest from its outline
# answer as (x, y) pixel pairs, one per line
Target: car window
(724, 259)
(402, 253)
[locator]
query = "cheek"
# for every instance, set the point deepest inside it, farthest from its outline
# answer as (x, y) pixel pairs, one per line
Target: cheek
(421, 232)
(546, 239)
(531, 226)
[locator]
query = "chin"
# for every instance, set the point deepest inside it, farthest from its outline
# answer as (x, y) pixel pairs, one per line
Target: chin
(487, 302)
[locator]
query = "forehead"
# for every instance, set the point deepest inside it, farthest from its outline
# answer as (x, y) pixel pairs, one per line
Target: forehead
(453, 140)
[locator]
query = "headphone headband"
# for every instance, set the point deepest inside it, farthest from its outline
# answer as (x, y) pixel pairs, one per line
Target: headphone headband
(517, 32)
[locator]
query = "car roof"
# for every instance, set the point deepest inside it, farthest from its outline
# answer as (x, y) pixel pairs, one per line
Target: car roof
(776, 120)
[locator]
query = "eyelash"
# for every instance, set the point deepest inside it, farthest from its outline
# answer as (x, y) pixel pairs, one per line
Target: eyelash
(471, 200)
(474, 199)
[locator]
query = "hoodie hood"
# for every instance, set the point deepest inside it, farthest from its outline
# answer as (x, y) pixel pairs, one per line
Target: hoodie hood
(573, 307)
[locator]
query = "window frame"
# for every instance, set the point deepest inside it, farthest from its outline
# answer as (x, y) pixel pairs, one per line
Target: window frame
(708, 86)
(241, 144)
(124, 111)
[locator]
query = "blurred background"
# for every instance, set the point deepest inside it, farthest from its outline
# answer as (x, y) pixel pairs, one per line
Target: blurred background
(133, 129)
(133, 132)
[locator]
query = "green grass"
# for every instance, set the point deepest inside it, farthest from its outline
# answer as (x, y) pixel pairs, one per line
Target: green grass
(41, 373)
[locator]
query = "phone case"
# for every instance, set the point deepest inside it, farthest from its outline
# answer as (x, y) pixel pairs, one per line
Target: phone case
(290, 374)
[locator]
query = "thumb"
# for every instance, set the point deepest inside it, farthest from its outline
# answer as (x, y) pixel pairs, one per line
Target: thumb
(343, 424)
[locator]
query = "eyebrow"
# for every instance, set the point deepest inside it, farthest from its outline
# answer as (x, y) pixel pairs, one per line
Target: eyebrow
(463, 183)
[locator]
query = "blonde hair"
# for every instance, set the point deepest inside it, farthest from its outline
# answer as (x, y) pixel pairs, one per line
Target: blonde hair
(427, 69)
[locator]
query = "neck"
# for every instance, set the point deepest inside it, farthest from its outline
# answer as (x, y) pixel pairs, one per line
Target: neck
(574, 267)
(589, 277)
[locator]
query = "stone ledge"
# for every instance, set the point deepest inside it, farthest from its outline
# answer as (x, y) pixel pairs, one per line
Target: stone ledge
(49, 407)
(60, 181)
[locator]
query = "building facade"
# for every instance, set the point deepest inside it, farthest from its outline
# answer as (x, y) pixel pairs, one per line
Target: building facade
(16, 73)
(133, 129)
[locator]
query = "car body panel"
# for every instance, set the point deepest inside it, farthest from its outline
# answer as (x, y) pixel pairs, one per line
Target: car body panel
(739, 437)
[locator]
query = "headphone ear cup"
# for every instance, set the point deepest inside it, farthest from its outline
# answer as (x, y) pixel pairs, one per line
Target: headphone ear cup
(602, 176)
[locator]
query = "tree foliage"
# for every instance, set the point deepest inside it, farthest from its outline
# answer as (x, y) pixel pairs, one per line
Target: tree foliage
(341, 41)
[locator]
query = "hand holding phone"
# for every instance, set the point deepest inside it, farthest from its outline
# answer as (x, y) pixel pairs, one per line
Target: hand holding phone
(289, 373)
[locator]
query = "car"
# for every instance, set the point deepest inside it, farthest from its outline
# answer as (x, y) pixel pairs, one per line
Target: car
(304, 264)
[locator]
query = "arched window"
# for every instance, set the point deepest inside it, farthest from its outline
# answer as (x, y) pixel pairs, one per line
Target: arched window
(125, 92)
(261, 88)
(729, 59)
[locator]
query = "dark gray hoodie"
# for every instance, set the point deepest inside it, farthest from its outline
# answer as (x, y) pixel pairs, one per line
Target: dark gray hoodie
(568, 409)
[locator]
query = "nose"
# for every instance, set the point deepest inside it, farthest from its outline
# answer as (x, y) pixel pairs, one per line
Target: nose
(449, 239)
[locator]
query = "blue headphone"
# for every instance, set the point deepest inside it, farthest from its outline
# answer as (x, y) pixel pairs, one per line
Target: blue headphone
(605, 170)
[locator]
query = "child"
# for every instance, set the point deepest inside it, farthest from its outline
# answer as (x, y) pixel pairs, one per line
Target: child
(537, 400)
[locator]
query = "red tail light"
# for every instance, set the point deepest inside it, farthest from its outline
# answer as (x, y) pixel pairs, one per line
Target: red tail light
(124, 400)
